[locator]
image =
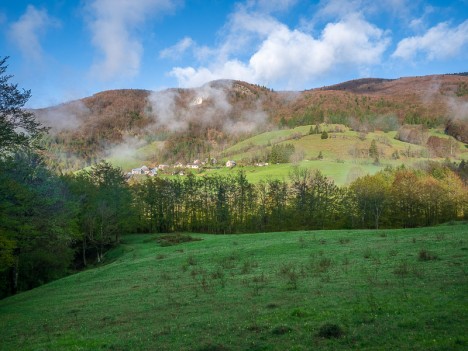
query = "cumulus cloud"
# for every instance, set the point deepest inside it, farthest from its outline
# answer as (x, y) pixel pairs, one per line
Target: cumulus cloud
(438, 43)
(289, 57)
(26, 32)
(113, 24)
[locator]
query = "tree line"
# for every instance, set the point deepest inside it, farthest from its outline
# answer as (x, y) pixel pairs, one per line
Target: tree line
(393, 198)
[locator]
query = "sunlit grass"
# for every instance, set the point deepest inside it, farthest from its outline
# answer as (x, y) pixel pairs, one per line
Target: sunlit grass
(362, 290)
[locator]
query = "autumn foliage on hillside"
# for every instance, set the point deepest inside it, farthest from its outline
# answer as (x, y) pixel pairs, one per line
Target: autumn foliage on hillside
(207, 124)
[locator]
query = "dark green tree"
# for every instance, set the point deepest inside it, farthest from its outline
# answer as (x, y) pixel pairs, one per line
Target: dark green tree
(107, 209)
(324, 135)
(37, 223)
(18, 127)
(373, 151)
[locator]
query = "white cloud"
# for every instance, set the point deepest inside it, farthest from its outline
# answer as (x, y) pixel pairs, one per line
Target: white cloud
(26, 32)
(177, 112)
(438, 43)
(178, 49)
(113, 24)
(289, 57)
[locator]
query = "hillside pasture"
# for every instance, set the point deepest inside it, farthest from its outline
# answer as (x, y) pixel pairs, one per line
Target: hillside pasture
(321, 290)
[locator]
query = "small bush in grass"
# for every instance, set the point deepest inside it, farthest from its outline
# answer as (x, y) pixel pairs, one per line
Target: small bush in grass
(218, 273)
(281, 330)
(402, 269)
(300, 313)
(191, 260)
(165, 276)
(247, 267)
(425, 255)
(324, 263)
(330, 331)
(213, 347)
(175, 239)
(367, 253)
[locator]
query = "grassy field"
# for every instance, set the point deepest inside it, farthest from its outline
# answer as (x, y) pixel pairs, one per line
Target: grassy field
(320, 290)
(344, 153)
(340, 172)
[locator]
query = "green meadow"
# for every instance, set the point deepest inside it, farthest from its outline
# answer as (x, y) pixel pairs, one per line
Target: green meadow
(312, 290)
(344, 153)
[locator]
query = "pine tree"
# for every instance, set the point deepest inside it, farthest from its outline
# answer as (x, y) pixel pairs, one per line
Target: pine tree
(373, 151)
(317, 129)
(18, 128)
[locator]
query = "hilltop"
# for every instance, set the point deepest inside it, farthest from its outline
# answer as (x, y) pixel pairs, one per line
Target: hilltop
(181, 125)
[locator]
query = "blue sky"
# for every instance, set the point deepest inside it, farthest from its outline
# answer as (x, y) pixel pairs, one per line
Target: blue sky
(68, 49)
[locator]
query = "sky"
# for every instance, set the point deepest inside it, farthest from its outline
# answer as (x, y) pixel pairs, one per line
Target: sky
(68, 49)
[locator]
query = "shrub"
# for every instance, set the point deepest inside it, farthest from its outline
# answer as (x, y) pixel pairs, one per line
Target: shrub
(324, 135)
(281, 330)
(330, 330)
(425, 255)
(402, 269)
(191, 260)
(175, 239)
(213, 347)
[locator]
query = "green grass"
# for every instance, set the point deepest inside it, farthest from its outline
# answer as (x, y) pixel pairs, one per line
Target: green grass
(271, 137)
(321, 290)
(338, 153)
(338, 171)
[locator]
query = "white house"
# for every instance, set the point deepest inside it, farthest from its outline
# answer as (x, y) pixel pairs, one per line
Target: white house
(230, 163)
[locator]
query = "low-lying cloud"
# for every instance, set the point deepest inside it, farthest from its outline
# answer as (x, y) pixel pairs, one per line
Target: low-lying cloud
(208, 105)
(68, 116)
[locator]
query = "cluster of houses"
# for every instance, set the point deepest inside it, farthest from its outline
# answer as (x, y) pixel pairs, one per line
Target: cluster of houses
(178, 168)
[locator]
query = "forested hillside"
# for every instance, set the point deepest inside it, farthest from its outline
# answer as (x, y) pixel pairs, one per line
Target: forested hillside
(202, 122)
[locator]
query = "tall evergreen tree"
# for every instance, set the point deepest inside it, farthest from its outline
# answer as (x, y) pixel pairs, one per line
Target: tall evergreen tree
(18, 127)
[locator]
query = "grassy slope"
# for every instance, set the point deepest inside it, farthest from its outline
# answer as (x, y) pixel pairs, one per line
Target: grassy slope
(256, 292)
(337, 163)
(332, 169)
